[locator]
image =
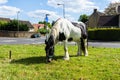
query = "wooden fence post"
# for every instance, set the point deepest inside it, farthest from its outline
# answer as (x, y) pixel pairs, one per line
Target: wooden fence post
(10, 54)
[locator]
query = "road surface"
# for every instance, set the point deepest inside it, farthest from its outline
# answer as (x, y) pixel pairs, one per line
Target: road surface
(6, 40)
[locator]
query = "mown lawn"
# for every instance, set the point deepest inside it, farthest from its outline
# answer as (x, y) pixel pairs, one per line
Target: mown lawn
(28, 63)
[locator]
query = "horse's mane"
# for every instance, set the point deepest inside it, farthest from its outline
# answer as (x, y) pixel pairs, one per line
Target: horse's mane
(55, 28)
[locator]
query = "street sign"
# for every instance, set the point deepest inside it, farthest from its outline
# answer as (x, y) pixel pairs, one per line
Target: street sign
(46, 18)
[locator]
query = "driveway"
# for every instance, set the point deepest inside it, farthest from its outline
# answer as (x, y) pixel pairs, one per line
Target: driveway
(6, 40)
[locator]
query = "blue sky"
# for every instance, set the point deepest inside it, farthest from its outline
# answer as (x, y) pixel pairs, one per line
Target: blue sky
(35, 10)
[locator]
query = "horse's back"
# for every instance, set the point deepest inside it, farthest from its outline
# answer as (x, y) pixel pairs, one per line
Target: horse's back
(83, 28)
(64, 29)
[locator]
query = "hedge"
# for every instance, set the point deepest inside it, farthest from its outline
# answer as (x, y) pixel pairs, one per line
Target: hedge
(13, 26)
(104, 34)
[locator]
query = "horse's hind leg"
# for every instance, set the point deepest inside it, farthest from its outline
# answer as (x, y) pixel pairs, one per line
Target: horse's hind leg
(79, 52)
(66, 57)
(85, 47)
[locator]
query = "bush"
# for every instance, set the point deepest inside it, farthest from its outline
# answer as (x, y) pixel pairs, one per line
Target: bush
(43, 31)
(105, 34)
(13, 26)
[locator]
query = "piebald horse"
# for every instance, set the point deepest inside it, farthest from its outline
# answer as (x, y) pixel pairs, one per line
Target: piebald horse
(64, 30)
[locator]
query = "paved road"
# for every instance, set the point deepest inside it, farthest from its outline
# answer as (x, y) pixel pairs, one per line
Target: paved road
(105, 44)
(6, 40)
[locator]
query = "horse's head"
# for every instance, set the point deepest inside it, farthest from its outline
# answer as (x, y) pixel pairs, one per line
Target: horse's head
(49, 48)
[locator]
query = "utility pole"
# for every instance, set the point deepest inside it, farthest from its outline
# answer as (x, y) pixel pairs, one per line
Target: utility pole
(18, 21)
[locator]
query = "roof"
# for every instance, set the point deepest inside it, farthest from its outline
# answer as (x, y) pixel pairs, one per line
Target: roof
(95, 11)
(100, 13)
(27, 23)
(5, 19)
(38, 25)
(109, 20)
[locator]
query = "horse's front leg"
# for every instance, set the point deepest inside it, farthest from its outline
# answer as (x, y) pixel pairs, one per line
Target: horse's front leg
(66, 56)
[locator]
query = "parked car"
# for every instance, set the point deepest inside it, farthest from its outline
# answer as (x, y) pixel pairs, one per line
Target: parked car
(36, 35)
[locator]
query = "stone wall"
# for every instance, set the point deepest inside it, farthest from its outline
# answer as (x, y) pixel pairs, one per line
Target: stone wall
(16, 34)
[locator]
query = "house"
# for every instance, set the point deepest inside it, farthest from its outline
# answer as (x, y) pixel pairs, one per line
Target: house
(31, 28)
(98, 19)
(5, 19)
(38, 26)
(108, 21)
(118, 9)
(94, 18)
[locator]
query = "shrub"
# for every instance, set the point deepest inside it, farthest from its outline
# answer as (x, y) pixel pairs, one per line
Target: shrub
(105, 34)
(13, 26)
(43, 31)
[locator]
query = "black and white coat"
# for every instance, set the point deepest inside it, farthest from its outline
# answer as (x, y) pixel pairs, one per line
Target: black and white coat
(64, 30)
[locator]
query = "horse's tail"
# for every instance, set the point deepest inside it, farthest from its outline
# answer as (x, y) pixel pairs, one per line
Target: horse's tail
(82, 44)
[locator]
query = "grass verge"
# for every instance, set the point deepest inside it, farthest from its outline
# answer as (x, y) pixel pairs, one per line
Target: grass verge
(28, 63)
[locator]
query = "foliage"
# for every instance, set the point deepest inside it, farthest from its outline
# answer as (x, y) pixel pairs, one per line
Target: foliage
(105, 34)
(43, 31)
(23, 27)
(13, 26)
(3, 24)
(28, 63)
(45, 23)
(111, 9)
(83, 18)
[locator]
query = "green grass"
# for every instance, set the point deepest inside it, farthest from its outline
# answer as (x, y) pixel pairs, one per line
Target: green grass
(28, 63)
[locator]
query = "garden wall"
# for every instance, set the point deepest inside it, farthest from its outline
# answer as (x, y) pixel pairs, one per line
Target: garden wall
(16, 34)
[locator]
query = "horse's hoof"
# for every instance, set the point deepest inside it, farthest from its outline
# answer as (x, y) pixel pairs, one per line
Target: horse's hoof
(49, 60)
(86, 55)
(66, 58)
(79, 54)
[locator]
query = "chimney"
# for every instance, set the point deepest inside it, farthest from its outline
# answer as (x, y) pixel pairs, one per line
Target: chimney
(95, 10)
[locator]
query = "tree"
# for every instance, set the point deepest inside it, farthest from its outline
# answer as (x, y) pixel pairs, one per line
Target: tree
(111, 9)
(83, 18)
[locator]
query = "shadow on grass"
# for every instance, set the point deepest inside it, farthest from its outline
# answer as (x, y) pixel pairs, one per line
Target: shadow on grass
(30, 60)
(33, 60)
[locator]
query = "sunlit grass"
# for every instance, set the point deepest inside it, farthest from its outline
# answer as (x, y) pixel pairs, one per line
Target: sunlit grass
(28, 63)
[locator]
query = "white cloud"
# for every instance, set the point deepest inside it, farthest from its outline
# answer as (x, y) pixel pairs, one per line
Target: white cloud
(75, 6)
(3, 1)
(69, 17)
(41, 14)
(8, 11)
(113, 1)
(54, 3)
